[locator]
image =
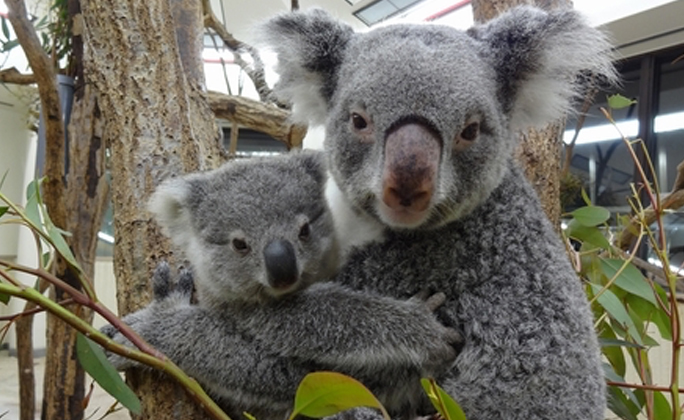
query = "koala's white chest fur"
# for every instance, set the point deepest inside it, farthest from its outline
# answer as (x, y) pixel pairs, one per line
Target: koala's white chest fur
(353, 229)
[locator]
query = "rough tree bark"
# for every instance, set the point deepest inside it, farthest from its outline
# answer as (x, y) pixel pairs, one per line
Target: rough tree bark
(74, 207)
(157, 124)
(540, 150)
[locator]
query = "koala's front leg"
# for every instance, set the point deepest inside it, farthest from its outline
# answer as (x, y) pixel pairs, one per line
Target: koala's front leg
(207, 346)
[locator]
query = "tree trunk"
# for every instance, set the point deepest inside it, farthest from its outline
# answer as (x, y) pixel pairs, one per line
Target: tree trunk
(539, 151)
(85, 195)
(157, 124)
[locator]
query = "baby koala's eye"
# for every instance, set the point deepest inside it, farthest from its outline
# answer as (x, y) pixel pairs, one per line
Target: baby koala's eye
(467, 136)
(359, 122)
(471, 132)
(305, 232)
(240, 246)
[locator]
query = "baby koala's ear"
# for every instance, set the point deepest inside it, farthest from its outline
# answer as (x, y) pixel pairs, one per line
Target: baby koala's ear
(169, 205)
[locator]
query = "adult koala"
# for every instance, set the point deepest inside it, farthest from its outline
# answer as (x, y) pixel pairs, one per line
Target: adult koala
(420, 124)
(420, 128)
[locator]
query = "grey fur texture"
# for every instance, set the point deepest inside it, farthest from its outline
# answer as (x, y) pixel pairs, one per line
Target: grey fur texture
(479, 234)
(249, 342)
(420, 124)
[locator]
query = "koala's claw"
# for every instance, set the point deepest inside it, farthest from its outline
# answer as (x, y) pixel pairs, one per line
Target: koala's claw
(161, 281)
(435, 301)
(453, 337)
(109, 330)
(186, 283)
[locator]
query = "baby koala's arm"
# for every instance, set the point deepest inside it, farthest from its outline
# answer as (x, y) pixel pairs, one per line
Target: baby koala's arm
(352, 331)
(254, 357)
(208, 347)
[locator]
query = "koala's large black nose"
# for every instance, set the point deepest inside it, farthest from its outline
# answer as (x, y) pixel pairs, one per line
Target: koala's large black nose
(281, 264)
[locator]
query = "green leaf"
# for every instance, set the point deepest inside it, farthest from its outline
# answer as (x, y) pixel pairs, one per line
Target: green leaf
(618, 101)
(4, 298)
(585, 197)
(615, 355)
(614, 342)
(7, 46)
(4, 176)
(94, 361)
(587, 234)
(5, 28)
(630, 279)
(322, 394)
(46, 258)
(445, 405)
(3, 210)
(651, 313)
(60, 244)
(591, 215)
(622, 406)
(32, 202)
(664, 324)
(617, 311)
(248, 416)
(661, 406)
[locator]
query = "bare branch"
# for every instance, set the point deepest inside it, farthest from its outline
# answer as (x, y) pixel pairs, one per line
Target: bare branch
(673, 201)
(46, 78)
(256, 70)
(13, 76)
(255, 115)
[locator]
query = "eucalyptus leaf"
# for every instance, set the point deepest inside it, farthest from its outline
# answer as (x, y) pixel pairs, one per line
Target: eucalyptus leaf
(32, 202)
(619, 404)
(615, 355)
(4, 298)
(587, 234)
(445, 405)
(5, 27)
(322, 394)
(93, 360)
(4, 176)
(617, 311)
(630, 278)
(618, 101)
(661, 406)
(7, 46)
(591, 215)
(614, 342)
(3, 210)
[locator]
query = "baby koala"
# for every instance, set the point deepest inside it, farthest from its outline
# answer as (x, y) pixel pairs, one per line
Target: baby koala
(261, 240)
(254, 229)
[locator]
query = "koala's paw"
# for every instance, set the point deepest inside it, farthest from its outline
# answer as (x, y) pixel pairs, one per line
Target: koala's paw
(443, 343)
(145, 322)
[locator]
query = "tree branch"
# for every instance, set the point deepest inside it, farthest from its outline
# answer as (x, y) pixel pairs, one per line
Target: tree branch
(46, 78)
(258, 116)
(256, 70)
(673, 201)
(13, 76)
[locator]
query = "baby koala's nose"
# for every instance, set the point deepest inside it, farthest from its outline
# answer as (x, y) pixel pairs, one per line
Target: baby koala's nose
(281, 264)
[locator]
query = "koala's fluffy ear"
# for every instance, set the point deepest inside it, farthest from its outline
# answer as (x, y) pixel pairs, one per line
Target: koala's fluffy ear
(310, 46)
(313, 163)
(538, 57)
(168, 204)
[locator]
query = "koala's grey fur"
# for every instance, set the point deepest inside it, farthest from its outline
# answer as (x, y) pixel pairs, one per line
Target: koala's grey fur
(479, 234)
(455, 213)
(247, 329)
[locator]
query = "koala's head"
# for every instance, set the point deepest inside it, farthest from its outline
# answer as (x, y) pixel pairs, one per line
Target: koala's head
(420, 118)
(252, 229)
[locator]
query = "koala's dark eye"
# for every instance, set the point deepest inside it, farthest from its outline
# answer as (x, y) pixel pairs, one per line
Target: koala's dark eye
(359, 122)
(471, 132)
(240, 246)
(305, 232)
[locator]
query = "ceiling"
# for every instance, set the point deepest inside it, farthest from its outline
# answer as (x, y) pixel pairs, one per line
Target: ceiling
(241, 16)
